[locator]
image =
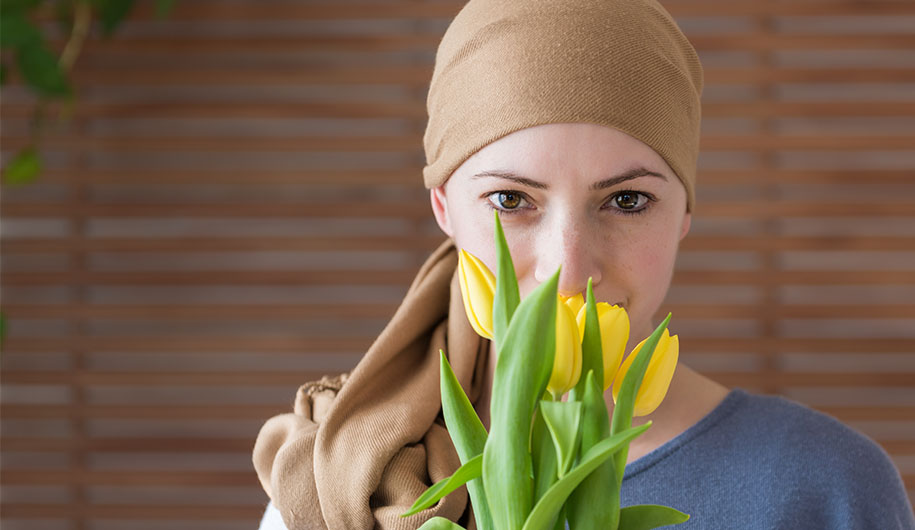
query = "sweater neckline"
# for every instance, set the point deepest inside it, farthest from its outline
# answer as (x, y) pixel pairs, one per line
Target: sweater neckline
(731, 402)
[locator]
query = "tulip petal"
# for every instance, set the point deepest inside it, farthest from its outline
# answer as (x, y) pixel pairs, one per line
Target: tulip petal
(614, 334)
(657, 377)
(567, 360)
(477, 291)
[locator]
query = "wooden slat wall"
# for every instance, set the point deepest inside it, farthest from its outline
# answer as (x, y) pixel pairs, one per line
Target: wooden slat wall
(237, 207)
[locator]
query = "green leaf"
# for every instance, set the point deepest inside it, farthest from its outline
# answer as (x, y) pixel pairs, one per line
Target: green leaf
(629, 389)
(23, 168)
(40, 69)
(543, 455)
(595, 503)
(112, 13)
(164, 7)
(468, 434)
(523, 367)
(543, 514)
(592, 357)
(440, 523)
(507, 297)
(562, 419)
(8, 7)
(648, 516)
(63, 13)
(16, 31)
(467, 472)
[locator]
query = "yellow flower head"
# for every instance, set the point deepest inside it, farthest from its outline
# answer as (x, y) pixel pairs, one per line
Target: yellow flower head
(567, 361)
(657, 377)
(478, 286)
(614, 334)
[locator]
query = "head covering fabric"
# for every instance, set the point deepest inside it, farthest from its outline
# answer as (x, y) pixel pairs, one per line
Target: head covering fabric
(505, 65)
(358, 450)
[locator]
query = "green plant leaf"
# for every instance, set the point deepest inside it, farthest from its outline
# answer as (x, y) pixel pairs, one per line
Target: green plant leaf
(648, 516)
(14, 6)
(111, 13)
(592, 356)
(40, 69)
(468, 434)
(543, 514)
(595, 503)
(440, 523)
(543, 454)
(17, 31)
(467, 472)
(562, 419)
(507, 297)
(629, 389)
(23, 168)
(164, 7)
(523, 367)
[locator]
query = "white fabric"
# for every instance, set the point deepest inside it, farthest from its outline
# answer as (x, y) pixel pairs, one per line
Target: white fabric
(272, 519)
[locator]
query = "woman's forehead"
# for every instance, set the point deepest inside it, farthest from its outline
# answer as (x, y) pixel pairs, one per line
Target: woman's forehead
(585, 148)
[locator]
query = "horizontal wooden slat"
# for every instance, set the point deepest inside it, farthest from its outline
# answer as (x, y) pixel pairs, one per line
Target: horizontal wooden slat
(361, 208)
(159, 444)
(410, 177)
(298, 110)
(258, 144)
(424, 243)
(135, 512)
(208, 10)
(254, 312)
(129, 478)
(339, 179)
(815, 379)
(895, 413)
(297, 345)
(419, 76)
(387, 42)
(183, 412)
(369, 276)
(141, 412)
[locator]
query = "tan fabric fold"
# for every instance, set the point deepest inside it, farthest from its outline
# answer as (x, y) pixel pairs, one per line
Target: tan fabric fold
(359, 449)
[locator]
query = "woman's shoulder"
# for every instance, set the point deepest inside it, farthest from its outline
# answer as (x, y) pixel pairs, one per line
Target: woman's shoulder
(780, 428)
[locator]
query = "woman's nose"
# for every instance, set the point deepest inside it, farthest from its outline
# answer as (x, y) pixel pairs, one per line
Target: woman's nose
(573, 250)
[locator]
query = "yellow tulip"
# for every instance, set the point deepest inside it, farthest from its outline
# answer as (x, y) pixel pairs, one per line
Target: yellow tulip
(478, 286)
(567, 360)
(657, 377)
(614, 334)
(575, 303)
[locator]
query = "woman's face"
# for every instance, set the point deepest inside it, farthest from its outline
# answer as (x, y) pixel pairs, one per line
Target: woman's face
(589, 198)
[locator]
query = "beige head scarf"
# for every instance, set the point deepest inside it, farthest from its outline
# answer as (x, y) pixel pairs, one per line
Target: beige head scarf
(359, 449)
(505, 65)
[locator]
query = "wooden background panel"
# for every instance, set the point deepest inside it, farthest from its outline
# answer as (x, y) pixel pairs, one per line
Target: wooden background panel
(236, 208)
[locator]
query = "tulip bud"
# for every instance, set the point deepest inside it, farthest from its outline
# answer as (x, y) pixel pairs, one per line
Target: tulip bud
(658, 375)
(567, 360)
(614, 334)
(575, 303)
(478, 285)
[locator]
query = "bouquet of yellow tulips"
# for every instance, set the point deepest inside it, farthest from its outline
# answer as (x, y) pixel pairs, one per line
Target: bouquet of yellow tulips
(546, 460)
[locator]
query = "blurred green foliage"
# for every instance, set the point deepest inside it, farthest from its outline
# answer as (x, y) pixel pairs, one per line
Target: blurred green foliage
(24, 49)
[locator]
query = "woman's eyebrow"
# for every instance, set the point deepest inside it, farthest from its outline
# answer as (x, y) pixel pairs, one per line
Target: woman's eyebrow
(629, 174)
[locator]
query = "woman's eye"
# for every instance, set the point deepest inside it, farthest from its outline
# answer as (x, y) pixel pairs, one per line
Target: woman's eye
(506, 200)
(630, 200)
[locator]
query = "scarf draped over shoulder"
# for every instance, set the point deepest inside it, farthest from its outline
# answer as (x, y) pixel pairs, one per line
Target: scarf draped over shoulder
(359, 448)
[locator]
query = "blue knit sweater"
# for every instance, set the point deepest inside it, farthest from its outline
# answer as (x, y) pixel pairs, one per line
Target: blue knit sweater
(764, 463)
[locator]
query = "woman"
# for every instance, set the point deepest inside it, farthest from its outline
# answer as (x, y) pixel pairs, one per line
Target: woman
(579, 122)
